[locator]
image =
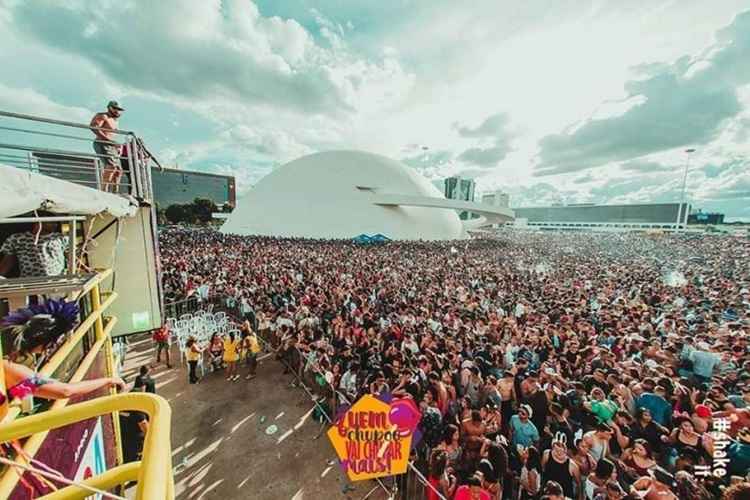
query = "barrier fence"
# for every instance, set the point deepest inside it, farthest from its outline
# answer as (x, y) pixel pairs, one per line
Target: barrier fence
(411, 485)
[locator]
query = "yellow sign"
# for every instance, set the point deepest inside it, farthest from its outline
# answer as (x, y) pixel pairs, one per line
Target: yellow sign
(373, 438)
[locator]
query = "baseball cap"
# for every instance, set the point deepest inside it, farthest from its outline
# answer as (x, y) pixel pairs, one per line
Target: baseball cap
(116, 105)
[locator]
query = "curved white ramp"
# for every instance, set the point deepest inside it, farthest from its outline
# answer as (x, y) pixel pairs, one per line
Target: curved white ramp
(489, 214)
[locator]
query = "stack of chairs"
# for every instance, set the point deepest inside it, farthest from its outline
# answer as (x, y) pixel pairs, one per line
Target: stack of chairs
(201, 325)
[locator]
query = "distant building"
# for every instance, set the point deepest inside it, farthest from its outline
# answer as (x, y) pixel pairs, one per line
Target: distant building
(457, 188)
(701, 217)
(173, 186)
(496, 199)
(606, 217)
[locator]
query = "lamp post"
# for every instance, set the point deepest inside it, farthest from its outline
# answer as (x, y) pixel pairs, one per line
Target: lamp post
(680, 215)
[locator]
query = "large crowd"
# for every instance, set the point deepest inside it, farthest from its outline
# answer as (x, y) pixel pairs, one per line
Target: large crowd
(546, 365)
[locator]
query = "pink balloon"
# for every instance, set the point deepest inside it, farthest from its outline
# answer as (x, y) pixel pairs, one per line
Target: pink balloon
(405, 416)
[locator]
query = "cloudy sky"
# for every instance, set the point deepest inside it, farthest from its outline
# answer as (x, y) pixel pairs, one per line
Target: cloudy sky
(553, 101)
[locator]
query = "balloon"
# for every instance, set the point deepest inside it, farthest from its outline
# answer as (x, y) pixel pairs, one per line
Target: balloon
(405, 416)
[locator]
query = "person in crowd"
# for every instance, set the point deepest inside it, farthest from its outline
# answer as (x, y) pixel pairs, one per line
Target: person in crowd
(684, 443)
(472, 490)
(231, 354)
(637, 460)
(596, 482)
(530, 477)
(193, 355)
(216, 350)
(144, 382)
(553, 491)
(595, 347)
(581, 455)
(704, 362)
(739, 454)
(451, 445)
(441, 480)
(655, 402)
(250, 348)
(133, 429)
(161, 341)
(603, 409)
(558, 467)
(522, 430)
(644, 427)
(738, 491)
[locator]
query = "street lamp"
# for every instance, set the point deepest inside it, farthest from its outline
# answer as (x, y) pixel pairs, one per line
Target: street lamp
(688, 151)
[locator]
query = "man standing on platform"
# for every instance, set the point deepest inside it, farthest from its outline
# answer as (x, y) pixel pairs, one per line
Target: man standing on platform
(105, 146)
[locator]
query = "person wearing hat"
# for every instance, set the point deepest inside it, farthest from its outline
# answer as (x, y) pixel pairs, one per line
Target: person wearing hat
(522, 430)
(102, 125)
(558, 467)
(603, 409)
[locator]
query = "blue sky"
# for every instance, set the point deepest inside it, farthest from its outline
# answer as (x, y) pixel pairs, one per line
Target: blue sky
(552, 101)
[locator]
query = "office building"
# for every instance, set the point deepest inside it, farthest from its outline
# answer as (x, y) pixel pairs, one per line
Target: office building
(496, 199)
(179, 187)
(457, 188)
(607, 217)
(701, 217)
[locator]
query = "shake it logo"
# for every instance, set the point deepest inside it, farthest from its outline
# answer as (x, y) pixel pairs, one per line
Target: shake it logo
(373, 437)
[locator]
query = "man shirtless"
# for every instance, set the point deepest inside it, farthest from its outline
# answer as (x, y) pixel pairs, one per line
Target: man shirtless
(506, 387)
(105, 146)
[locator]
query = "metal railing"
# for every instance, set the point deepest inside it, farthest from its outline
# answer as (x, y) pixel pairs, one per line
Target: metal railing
(153, 474)
(178, 308)
(36, 427)
(52, 148)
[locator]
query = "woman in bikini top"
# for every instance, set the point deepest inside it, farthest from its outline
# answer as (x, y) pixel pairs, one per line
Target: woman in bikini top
(34, 330)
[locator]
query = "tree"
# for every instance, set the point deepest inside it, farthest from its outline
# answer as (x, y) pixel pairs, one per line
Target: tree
(203, 209)
(177, 213)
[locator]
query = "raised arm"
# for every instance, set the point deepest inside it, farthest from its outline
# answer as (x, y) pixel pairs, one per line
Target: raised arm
(53, 389)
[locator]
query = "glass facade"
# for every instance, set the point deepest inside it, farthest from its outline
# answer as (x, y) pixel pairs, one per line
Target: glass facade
(457, 188)
(182, 186)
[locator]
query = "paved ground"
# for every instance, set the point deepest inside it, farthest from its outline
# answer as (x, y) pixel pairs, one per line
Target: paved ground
(220, 449)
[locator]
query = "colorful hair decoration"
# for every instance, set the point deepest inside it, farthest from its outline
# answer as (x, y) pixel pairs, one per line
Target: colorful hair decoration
(41, 324)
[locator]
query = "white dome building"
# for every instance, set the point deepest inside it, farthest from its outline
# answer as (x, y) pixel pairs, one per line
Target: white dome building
(343, 194)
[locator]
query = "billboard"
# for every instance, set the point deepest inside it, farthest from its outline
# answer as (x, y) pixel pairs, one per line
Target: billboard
(373, 437)
(90, 456)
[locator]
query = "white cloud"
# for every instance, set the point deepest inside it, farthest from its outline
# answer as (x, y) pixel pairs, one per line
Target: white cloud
(388, 77)
(215, 52)
(30, 102)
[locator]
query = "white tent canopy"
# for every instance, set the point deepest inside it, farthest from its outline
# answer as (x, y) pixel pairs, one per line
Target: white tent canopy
(23, 191)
